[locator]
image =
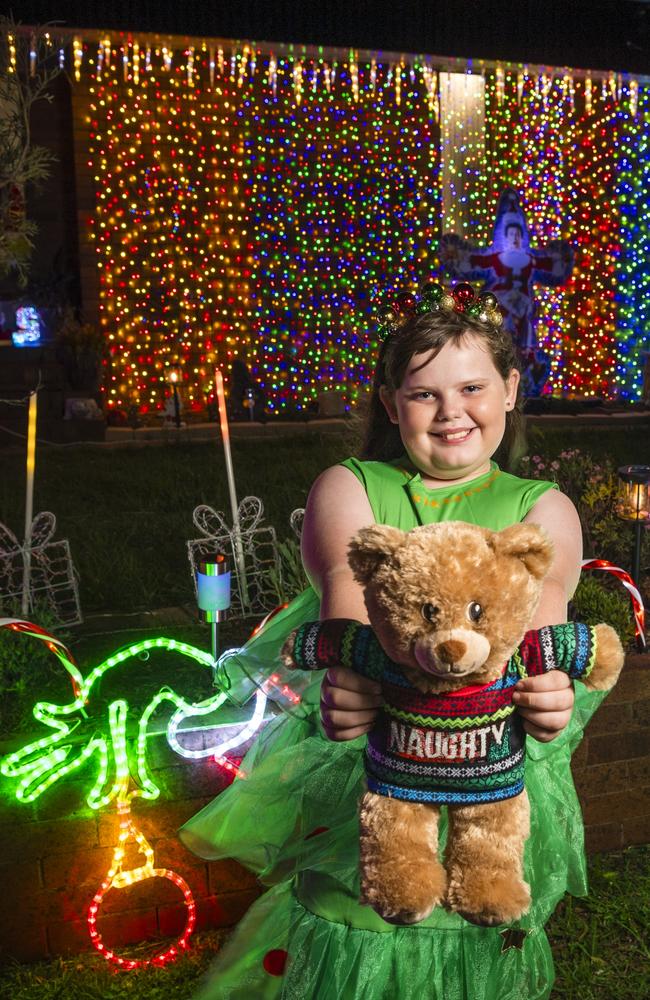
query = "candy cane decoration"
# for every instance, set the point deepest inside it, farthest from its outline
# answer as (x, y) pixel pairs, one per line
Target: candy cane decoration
(55, 646)
(635, 595)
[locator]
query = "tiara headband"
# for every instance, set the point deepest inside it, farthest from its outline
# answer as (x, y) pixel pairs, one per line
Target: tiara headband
(432, 297)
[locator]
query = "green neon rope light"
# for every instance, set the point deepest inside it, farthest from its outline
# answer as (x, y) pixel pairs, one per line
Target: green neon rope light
(41, 763)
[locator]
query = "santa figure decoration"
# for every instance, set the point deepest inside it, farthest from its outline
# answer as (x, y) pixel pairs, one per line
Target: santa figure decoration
(509, 268)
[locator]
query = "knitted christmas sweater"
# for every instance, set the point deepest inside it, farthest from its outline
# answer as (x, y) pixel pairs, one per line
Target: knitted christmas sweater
(464, 746)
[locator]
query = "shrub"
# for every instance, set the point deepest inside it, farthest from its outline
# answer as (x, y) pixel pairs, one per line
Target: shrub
(292, 579)
(594, 602)
(593, 487)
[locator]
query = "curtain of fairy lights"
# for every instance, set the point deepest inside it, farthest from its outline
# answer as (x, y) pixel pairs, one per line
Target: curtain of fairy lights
(255, 215)
(462, 154)
(252, 207)
(343, 166)
(633, 278)
(554, 140)
(592, 139)
(170, 227)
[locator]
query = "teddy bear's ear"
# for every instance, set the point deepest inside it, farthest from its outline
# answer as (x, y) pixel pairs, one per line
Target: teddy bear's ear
(529, 543)
(371, 547)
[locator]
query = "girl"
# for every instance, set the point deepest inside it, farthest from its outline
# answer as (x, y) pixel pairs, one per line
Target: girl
(446, 396)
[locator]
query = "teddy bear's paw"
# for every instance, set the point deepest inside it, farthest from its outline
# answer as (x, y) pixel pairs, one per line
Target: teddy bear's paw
(489, 898)
(405, 902)
(286, 653)
(610, 657)
(405, 917)
(394, 913)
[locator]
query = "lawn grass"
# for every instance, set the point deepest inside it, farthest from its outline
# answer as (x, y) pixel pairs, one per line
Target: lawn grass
(600, 944)
(89, 977)
(128, 511)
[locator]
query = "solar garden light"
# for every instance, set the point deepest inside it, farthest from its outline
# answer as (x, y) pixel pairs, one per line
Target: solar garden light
(249, 403)
(173, 376)
(213, 595)
(634, 505)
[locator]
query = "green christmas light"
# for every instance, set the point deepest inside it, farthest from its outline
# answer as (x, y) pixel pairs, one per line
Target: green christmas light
(633, 274)
(39, 764)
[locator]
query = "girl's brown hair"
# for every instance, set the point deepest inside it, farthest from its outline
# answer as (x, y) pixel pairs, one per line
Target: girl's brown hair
(427, 334)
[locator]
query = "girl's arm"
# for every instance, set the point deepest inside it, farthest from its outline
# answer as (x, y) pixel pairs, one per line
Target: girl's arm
(546, 701)
(338, 507)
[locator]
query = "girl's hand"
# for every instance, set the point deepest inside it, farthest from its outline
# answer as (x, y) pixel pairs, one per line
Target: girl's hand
(348, 703)
(545, 703)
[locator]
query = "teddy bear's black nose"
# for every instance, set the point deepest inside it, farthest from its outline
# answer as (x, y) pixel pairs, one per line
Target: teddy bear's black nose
(451, 651)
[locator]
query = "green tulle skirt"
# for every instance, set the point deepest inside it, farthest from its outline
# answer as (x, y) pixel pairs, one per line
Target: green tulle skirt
(293, 820)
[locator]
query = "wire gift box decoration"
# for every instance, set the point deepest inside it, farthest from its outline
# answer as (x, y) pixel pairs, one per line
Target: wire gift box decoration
(296, 521)
(51, 577)
(252, 547)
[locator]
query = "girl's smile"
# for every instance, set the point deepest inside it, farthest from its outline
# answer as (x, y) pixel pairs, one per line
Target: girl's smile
(451, 410)
(453, 437)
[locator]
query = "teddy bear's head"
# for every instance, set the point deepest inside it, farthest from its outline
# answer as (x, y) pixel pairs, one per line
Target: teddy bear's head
(450, 602)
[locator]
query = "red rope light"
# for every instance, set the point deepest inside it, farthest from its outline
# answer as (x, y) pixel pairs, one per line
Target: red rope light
(119, 879)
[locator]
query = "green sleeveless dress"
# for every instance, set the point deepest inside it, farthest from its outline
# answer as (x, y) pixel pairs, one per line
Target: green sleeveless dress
(293, 820)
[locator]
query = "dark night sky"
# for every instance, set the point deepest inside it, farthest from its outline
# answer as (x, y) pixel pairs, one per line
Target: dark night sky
(601, 34)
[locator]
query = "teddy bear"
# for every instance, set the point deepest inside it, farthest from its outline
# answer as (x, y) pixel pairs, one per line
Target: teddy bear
(449, 606)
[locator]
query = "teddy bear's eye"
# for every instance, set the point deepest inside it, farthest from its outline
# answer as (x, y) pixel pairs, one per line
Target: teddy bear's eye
(429, 611)
(474, 611)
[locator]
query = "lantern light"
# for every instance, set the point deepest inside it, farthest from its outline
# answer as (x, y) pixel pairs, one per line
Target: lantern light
(173, 375)
(634, 505)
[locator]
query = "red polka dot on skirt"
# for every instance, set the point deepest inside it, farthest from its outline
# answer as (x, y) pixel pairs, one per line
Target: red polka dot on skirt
(275, 961)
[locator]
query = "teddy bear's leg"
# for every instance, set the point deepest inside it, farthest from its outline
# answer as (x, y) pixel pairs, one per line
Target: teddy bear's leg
(484, 863)
(401, 876)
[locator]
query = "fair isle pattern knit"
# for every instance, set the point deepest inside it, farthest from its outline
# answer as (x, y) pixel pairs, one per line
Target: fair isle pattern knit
(462, 747)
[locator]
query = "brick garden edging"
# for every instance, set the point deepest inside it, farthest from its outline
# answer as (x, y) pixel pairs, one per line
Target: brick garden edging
(57, 851)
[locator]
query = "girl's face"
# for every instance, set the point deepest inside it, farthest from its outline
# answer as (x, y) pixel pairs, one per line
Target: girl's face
(451, 410)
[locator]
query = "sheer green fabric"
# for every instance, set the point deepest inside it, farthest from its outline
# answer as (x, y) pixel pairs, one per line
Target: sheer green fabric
(398, 496)
(293, 820)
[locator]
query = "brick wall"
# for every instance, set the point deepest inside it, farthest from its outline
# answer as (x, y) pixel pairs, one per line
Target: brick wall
(611, 767)
(56, 852)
